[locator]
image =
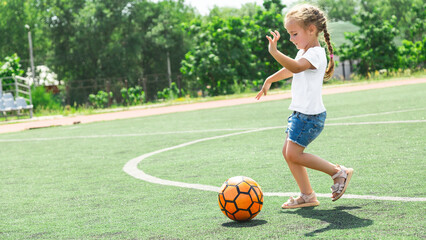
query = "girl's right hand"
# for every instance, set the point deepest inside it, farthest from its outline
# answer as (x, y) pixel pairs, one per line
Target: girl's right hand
(264, 89)
(272, 47)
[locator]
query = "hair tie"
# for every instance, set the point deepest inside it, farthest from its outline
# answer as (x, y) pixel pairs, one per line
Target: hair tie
(331, 56)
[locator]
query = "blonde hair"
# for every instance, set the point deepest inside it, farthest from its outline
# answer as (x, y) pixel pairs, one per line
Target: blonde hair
(307, 15)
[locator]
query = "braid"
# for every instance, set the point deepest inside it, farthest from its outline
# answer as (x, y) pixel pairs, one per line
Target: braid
(307, 15)
(330, 68)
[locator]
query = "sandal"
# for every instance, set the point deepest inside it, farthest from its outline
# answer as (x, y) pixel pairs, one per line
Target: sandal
(340, 188)
(293, 203)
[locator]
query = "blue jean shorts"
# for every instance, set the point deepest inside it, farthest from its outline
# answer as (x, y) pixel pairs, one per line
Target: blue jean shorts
(302, 129)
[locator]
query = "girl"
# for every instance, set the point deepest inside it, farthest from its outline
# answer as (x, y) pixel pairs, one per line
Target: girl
(308, 70)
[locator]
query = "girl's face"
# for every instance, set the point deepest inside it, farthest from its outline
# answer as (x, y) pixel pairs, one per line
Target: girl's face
(301, 37)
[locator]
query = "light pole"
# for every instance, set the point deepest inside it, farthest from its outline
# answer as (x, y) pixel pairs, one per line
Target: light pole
(30, 42)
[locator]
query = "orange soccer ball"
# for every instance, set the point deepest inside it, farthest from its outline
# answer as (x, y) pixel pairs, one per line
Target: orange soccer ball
(240, 198)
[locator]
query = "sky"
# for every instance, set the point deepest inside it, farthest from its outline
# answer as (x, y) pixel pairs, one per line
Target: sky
(204, 6)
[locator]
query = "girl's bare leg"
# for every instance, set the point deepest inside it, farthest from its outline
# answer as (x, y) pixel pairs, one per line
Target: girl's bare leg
(296, 155)
(297, 160)
(299, 173)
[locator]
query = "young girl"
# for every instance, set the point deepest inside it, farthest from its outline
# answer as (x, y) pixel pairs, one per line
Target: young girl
(308, 70)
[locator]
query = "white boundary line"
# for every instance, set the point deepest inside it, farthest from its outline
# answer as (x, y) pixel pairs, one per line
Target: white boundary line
(131, 168)
(223, 130)
(375, 123)
(123, 135)
(194, 131)
(376, 114)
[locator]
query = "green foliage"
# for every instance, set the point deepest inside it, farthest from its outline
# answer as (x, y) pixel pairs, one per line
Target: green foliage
(88, 40)
(132, 96)
(373, 44)
(8, 68)
(220, 55)
(410, 15)
(262, 23)
(412, 55)
(169, 93)
(11, 66)
(228, 51)
(100, 100)
(14, 36)
(114, 39)
(43, 100)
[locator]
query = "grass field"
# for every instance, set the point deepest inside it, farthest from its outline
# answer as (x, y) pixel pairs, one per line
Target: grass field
(68, 182)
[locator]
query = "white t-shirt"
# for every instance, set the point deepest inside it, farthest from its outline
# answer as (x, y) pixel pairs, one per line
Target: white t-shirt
(306, 86)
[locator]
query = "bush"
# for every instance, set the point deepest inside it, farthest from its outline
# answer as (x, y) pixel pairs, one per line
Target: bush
(133, 96)
(169, 93)
(100, 100)
(412, 55)
(44, 100)
(373, 45)
(10, 67)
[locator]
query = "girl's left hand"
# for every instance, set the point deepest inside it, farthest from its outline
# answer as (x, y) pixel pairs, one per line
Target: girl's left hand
(272, 47)
(266, 85)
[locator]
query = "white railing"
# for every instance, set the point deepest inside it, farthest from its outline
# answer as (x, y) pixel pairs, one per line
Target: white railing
(19, 88)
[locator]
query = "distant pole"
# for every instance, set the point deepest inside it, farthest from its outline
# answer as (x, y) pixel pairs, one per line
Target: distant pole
(30, 42)
(169, 69)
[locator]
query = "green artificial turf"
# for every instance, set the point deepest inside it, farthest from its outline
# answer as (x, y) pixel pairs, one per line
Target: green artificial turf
(68, 182)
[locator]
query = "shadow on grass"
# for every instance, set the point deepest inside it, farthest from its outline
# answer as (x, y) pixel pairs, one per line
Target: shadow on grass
(337, 218)
(251, 223)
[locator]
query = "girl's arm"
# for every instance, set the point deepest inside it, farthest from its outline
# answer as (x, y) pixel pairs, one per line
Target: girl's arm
(278, 76)
(282, 74)
(287, 62)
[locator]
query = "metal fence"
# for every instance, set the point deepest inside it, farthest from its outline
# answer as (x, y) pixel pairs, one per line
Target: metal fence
(78, 91)
(344, 69)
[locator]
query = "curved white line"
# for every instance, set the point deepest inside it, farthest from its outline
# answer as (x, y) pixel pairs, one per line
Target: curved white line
(131, 168)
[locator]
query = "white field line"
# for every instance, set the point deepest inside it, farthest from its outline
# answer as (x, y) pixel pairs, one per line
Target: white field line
(352, 196)
(376, 114)
(221, 130)
(123, 135)
(131, 168)
(194, 131)
(375, 123)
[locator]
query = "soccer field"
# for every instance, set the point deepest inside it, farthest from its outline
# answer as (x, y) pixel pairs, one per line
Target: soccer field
(155, 177)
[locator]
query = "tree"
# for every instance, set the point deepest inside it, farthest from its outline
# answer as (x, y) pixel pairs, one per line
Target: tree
(231, 50)
(274, 5)
(115, 40)
(373, 45)
(15, 14)
(10, 67)
(412, 55)
(220, 57)
(410, 15)
(263, 22)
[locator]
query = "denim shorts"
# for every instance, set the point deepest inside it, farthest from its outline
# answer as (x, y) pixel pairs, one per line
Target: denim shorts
(303, 129)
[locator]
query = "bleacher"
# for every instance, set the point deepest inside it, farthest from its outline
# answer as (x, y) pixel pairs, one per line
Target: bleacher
(15, 97)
